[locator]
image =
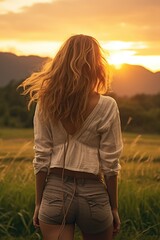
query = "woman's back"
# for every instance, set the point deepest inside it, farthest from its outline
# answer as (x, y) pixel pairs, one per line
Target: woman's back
(70, 128)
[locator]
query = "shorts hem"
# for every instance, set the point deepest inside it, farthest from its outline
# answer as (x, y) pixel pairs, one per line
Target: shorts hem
(98, 231)
(50, 222)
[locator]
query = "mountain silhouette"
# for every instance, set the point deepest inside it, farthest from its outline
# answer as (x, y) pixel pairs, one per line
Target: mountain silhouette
(17, 68)
(128, 80)
(134, 79)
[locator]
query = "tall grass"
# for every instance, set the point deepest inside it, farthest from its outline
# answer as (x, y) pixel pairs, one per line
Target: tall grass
(139, 197)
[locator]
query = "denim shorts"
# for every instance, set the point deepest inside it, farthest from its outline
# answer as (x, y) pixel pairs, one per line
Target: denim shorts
(84, 202)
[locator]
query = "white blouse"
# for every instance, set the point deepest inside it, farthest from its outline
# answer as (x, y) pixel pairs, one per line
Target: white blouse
(97, 144)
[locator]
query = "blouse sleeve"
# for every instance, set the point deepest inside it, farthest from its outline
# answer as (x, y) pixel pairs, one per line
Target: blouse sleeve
(111, 145)
(42, 144)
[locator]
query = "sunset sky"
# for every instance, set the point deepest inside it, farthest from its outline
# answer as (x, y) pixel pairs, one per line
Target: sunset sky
(128, 30)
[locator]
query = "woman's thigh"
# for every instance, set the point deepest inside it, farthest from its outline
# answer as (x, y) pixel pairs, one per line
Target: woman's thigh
(105, 235)
(57, 232)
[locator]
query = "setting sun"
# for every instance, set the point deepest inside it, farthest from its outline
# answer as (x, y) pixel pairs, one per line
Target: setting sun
(119, 57)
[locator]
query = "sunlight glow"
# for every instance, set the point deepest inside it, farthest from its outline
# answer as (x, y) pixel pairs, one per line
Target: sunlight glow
(18, 5)
(117, 53)
(117, 58)
(129, 57)
(44, 49)
(121, 45)
(150, 62)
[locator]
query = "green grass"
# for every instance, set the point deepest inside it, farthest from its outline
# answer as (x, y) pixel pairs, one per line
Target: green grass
(141, 147)
(18, 143)
(139, 187)
(14, 133)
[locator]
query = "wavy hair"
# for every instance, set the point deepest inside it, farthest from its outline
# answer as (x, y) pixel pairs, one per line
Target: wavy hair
(63, 85)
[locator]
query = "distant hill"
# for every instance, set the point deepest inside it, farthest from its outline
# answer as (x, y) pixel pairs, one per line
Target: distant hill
(17, 68)
(134, 79)
(128, 80)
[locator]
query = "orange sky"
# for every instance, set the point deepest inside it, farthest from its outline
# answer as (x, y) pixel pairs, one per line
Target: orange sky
(128, 29)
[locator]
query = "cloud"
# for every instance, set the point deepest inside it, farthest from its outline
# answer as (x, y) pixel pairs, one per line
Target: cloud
(17, 5)
(106, 20)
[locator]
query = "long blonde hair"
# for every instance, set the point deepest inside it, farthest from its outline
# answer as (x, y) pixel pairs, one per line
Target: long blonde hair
(62, 86)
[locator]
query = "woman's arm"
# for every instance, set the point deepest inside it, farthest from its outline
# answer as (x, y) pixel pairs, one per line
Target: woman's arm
(112, 189)
(110, 149)
(40, 184)
(41, 162)
(43, 143)
(111, 144)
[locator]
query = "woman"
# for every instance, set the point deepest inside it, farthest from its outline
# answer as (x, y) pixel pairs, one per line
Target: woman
(77, 135)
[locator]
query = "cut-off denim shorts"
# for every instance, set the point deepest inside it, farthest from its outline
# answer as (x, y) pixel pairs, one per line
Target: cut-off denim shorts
(84, 202)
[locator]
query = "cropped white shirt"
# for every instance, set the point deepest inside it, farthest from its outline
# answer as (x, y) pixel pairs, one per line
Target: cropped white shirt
(97, 144)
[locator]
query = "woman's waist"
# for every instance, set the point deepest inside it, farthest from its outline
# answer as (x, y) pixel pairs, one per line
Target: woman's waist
(75, 174)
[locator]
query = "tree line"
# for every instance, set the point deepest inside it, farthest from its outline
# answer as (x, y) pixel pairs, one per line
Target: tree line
(139, 113)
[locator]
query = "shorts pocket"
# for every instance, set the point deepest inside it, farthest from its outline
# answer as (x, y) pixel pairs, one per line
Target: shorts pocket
(99, 207)
(52, 207)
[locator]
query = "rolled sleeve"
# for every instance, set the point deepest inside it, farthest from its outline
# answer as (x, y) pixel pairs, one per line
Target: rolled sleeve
(111, 146)
(43, 144)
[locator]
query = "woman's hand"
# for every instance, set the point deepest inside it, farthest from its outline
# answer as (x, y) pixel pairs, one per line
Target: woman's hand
(116, 222)
(35, 217)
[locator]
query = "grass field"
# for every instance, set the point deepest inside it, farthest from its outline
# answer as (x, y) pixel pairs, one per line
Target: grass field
(139, 187)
